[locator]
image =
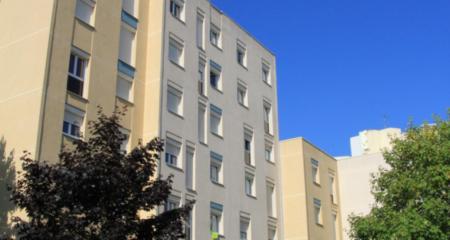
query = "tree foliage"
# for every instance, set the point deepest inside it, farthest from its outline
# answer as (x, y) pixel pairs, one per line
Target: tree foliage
(7, 178)
(96, 191)
(412, 199)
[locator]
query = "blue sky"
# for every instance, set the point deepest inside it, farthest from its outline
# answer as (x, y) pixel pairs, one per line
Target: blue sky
(349, 65)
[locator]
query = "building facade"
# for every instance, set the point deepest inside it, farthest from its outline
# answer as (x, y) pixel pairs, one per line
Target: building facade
(311, 200)
(184, 71)
(355, 172)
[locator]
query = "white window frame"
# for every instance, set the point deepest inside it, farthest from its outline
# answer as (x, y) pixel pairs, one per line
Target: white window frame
(77, 56)
(218, 73)
(268, 148)
(244, 228)
(77, 113)
(241, 50)
(249, 158)
(217, 164)
(125, 146)
(89, 3)
(315, 171)
(173, 159)
(270, 230)
(178, 94)
(216, 115)
(215, 41)
(318, 218)
(218, 225)
(242, 100)
(250, 184)
(272, 205)
(200, 30)
(190, 174)
(265, 68)
(132, 60)
(201, 77)
(268, 126)
(332, 183)
(177, 13)
(202, 135)
(178, 45)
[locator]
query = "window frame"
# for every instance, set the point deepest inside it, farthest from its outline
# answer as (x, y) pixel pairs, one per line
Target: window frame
(178, 45)
(76, 113)
(178, 94)
(250, 189)
(168, 157)
(215, 31)
(173, 4)
(78, 56)
(242, 100)
(89, 3)
(216, 113)
(241, 54)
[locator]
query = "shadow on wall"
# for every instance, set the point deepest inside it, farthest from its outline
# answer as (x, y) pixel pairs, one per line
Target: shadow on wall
(7, 178)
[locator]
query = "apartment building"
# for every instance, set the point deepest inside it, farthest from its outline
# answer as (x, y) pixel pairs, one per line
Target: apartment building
(355, 172)
(311, 200)
(185, 72)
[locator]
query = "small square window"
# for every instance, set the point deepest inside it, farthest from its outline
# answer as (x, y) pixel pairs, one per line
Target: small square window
(172, 203)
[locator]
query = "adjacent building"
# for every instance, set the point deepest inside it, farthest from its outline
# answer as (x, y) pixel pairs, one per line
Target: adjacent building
(310, 192)
(355, 172)
(185, 72)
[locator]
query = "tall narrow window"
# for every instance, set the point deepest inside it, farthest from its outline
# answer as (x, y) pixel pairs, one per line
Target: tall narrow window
(201, 77)
(176, 52)
(85, 10)
(216, 168)
(189, 225)
(336, 234)
(174, 100)
(73, 120)
(271, 205)
(190, 180)
(244, 228)
(172, 152)
(126, 141)
(241, 54)
(268, 152)
(332, 186)
(248, 149)
(216, 220)
(318, 211)
(215, 75)
(267, 118)
(77, 72)
(272, 232)
(249, 184)
(242, 94)
(177, 9)
(315, 171)
(200, 30)
(127, 44)
(266, 73)
(216, 120)
(214, 36)
(202, 123)
(124, 88)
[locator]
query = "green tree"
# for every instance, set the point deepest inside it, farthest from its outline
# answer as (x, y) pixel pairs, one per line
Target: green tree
(412, 198)
(96, 191)
(7, 178)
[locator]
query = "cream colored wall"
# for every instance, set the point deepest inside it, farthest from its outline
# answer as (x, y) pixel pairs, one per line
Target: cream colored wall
(300, 191)
(24, 44)
(355, 175)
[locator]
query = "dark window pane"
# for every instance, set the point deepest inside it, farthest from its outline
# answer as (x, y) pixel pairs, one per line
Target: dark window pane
(66, 127)
(72, 64)
(74, 85)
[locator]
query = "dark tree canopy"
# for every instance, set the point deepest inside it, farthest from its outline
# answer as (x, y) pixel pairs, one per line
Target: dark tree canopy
(96, 191)
(7, 178)
(412, 198)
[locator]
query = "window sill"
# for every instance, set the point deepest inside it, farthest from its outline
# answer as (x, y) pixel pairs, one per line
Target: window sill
(71, 137)
(271, 162)
(203, 143)
(317, 184)
(218, 183)
(252, 168)
(177, 64)
(269, 135)
(179, 19)
(176, 114)
(319, 225)
(267, 83)
(78, 97)
(201, 48)
(217, 89)
(203, 96)
(86, 24)
(125, 101)
(273, 218)
(243, 66)
(216, 46)
(174, 167)
(243, 105)
(191, 190)
(217, 135)
(251, 196)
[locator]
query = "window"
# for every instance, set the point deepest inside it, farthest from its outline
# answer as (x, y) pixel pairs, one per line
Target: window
(249, 184)
(271, 206)
(172, 203)
(248, 142)
(176, 52)
(216, 168)
(315, 171)
(244, 228)
(127, 44)
(267, 118)
(266, 73)
(188, 226)
(124, 88)
(242, 95)
(272, 232)
(216, 120)
(317, 211)
(73, 121)
(129, 6)
(200, 31)
(77, 72)
(336, 235)
(215, 75)
(172, 152)
(174, 101)
(268, 152)
(202, 123)
(126, 141)
(241, 55)
(177, 9)
(84, 10)
(190, 168)
(216, 220)
(332, 185)
(214, 36)
(201, 77)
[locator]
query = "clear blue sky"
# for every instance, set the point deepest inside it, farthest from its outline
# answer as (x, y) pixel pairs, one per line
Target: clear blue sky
(344, 65)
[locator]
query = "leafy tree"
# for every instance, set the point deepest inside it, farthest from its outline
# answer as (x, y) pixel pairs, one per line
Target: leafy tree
(7, 178)
(97, 191)
(412, 199)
